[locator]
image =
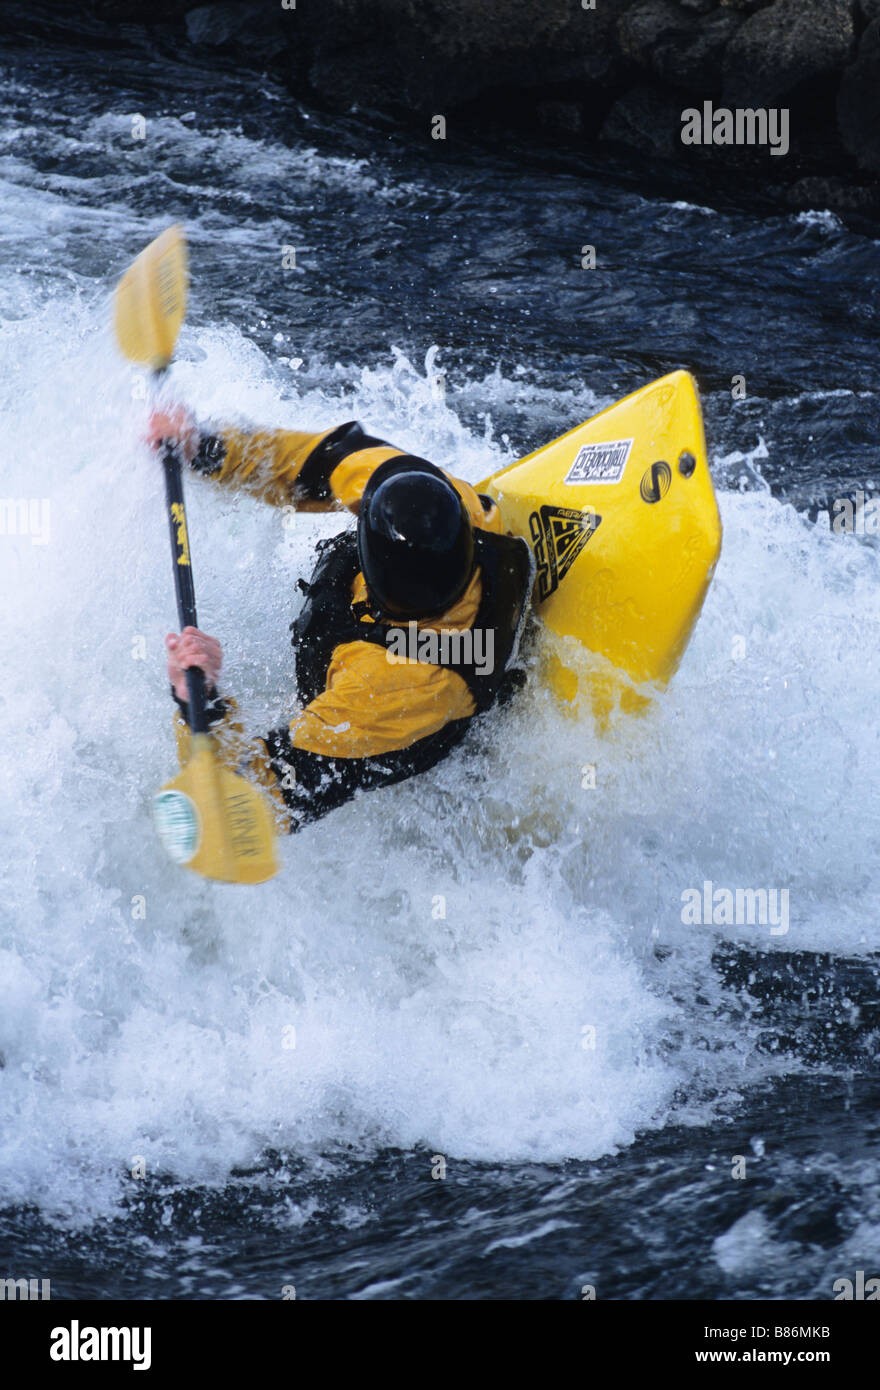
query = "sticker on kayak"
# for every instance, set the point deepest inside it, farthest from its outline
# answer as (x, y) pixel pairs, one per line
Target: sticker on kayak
(655, 482)
(600, 463)
(559, 534)
(177, 822)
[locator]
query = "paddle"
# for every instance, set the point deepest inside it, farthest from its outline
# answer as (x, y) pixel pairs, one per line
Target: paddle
(211, 820)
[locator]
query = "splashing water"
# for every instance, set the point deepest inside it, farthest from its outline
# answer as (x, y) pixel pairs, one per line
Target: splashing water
(488, 962)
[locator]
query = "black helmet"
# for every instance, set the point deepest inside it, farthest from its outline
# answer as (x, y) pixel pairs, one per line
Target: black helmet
(415, 540)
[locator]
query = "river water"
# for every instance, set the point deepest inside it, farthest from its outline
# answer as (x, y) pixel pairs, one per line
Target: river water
(464, 1046)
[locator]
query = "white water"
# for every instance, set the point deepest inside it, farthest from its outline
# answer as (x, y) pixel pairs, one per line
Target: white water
(163, 1036)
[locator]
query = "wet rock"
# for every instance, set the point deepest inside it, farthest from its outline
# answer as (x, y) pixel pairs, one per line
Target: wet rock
(858, 102)
(391, 53)
(837, 194)
(646, 119)
(240, 23)
(680, 47)
(625, 69)
(563, 116)
(779, 48)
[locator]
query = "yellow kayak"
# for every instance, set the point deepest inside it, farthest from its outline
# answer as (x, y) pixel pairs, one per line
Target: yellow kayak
(623, 523)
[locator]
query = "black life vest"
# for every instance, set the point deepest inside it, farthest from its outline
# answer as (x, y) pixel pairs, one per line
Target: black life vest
(327, 619)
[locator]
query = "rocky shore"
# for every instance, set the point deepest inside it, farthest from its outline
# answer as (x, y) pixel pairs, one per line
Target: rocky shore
(591, 73)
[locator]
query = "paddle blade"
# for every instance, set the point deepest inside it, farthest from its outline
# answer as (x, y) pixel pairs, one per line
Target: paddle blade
(216, 823)
(151, 300)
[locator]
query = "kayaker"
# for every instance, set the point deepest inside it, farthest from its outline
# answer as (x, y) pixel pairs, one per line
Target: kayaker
(410, 624)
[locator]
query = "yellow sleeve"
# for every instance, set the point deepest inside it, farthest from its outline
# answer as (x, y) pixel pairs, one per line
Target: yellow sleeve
(289, 468)
(267, 463)
(309, 471)
(373, 705)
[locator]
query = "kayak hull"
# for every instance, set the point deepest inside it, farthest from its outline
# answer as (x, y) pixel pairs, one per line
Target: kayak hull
(623, 522)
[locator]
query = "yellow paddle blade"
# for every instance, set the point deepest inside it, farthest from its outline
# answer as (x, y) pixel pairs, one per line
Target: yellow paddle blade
(216, 823)
(151, 300)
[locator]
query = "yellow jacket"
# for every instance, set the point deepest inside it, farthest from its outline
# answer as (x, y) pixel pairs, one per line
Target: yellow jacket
(370, 707)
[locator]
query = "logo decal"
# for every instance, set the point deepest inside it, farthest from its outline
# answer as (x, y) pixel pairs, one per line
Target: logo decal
(177, 822)
(559, 534)
(178, 516)
(655, 483)
(600, 463)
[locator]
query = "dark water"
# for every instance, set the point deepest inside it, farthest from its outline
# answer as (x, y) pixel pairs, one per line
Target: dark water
(626, 1226)
(404, 244)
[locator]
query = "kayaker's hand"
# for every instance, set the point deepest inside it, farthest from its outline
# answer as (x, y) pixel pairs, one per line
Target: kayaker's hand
(176, 423)
(192, 648)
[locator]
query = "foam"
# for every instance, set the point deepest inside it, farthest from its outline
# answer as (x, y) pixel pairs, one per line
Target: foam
(163, 1036)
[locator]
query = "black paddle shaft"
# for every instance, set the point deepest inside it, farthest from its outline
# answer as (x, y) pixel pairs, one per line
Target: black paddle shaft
(183, 579)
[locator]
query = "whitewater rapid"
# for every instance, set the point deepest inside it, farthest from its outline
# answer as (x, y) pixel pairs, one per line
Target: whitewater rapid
(468, 962)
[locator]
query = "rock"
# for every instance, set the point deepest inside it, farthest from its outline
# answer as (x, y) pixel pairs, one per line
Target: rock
(787, 44)
(858, 102)
(650, 22)
(599, 67)
(627, 68)
(239, 23)
(821, 192)
(564, 116)
(647, 120)
(464, 31)
(453, 52)
(678, 46)
(218, 24)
